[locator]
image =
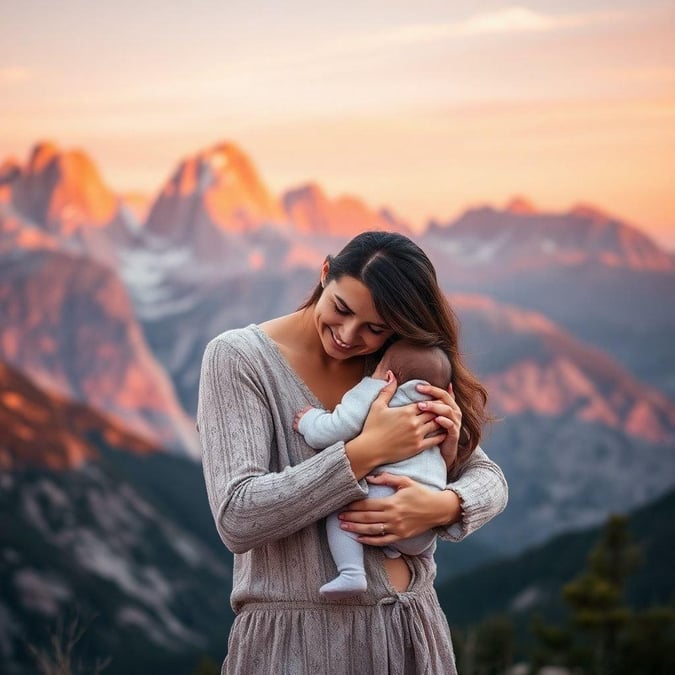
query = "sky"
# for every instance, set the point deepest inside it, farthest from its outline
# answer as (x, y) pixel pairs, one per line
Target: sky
(428, 108)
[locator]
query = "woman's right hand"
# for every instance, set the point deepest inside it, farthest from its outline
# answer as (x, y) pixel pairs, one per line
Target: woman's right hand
(391, 434)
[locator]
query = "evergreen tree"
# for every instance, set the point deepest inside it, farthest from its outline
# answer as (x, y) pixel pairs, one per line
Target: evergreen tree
(486, 649)
(605, 637)
(206, 666)
(494, 646)
(596, 596)
(647, 644)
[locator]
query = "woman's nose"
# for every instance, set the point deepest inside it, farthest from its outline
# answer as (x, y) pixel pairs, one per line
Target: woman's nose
(349, 330)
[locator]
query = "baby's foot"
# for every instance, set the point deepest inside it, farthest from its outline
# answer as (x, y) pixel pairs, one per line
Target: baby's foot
(391, 552)
(344, 586)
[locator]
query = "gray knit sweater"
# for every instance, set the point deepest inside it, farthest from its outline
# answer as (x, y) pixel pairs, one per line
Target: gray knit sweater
(269, 491)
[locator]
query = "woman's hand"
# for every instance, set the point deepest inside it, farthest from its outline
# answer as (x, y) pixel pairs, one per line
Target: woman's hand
(413, 509)
(448, 417)
(392, 434)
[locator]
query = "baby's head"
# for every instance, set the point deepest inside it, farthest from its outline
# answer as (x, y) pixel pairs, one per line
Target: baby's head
(410, 362)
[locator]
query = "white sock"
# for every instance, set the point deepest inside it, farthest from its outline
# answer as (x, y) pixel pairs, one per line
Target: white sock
(345, 585)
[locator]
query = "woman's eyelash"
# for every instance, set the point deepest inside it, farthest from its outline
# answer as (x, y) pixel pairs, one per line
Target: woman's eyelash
(345, 312)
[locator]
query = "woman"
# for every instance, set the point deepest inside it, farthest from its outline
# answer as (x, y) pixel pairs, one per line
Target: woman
(268, 490)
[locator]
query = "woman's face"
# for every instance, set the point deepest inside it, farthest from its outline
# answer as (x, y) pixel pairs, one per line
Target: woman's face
(346, 319)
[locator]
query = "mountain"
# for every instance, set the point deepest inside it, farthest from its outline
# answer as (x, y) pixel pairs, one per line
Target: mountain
(17, 235)
(69, 324)
(521, 238)
(220, 251)
(530, 365)
(600, 279)
(10, 170)
(62, 193)
(98, 525)
(530, 583)
(313, 213)
(577, 435)
(62, 190)
(211, 198)
(521, 205)
(138, 203)
(44, 431)
(178, 327)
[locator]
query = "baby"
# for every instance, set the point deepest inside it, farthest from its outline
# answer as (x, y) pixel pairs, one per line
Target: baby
(412, 366)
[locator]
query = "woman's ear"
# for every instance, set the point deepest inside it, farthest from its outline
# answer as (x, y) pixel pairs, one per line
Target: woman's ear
(325, 268)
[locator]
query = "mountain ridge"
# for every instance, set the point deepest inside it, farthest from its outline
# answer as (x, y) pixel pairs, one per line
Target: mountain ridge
(69, 324)
(235, 199)
(531, 581)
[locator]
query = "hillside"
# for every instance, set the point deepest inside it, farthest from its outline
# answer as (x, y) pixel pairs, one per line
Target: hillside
(98, 525)
(531, 581)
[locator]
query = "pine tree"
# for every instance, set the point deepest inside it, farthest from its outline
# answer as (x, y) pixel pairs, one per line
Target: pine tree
(596, 596)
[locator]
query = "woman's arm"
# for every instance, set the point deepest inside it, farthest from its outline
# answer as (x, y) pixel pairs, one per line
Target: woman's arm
(467, 503)
(251, 504)
(483, 492)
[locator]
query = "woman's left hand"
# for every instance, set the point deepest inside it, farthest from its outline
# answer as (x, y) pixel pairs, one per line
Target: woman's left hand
(413, 509)
(448, 417)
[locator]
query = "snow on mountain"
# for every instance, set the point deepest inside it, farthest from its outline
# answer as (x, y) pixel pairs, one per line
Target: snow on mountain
(92, 532)
(520, 237)
(68, 323)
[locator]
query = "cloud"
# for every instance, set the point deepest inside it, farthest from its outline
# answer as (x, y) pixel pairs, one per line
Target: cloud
(13, 74)
(507, 20)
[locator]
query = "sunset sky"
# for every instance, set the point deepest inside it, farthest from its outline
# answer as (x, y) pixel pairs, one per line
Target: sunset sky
(426, 107)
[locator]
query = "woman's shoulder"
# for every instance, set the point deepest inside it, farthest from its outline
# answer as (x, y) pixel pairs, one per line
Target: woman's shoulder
(249, 342)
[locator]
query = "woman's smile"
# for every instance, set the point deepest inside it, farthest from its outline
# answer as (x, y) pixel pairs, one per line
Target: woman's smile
(340, 343)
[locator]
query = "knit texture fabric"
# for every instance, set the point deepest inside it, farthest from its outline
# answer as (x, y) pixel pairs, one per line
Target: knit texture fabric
(269, 492)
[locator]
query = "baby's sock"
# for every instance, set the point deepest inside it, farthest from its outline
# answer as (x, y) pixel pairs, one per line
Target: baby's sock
(345, 585)
(391, 552)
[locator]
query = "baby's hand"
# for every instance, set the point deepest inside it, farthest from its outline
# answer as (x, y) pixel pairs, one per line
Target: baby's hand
(299, 415)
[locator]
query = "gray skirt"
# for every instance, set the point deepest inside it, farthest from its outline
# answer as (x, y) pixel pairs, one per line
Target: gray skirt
(404, 634)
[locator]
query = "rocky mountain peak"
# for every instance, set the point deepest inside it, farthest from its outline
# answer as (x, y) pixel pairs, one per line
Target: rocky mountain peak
(520, 205)
(550, 373)
(311, 211)
(63, 191)
(219, 186)
(590, 212)
(42, 430)
(10, 170)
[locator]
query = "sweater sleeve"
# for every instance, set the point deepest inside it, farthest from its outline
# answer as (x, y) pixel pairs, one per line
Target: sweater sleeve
(251, 504)
(483, 492)
(321, 428)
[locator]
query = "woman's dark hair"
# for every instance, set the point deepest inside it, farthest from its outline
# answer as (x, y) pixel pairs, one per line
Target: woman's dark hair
(407, 296)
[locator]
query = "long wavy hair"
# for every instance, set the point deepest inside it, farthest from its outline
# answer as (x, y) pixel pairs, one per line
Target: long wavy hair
(407, 296)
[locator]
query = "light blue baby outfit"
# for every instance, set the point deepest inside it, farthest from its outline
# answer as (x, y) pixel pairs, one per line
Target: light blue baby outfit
(321, 429)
